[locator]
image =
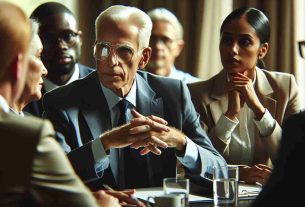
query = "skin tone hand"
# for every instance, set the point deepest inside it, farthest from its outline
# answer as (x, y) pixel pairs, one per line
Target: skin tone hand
(255, 174)
(105, 200)
(244, 86)
(136, 130)
(172, 137)
(124, 197)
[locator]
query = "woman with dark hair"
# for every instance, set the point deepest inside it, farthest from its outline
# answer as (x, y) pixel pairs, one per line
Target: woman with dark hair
(243, 107)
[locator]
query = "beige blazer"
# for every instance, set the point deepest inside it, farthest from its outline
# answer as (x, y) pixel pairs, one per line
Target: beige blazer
(277, 91)
(33, 166)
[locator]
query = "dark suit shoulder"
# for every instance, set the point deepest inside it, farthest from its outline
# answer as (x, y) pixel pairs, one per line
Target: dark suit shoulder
(158, 83)
(72, 92)
(295, 120)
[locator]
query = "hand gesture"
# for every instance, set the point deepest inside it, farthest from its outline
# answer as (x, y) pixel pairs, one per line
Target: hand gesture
(256, 174)
(155, 137)
(244, 86)
(138, 129)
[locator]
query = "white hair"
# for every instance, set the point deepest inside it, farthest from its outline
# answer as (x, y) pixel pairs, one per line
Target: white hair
(120, 12)
(162, 14)
(35, 28)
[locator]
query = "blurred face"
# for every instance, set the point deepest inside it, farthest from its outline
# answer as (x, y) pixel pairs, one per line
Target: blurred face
(165, 48)
(239, 47)
(36, 71)
(62, 43)
(118, 56)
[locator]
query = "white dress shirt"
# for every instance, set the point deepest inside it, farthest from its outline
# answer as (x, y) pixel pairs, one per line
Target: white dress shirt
(240, 134)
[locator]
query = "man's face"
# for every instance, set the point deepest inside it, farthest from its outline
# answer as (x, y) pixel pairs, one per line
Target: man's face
(165, 48)
(62, 43)
(117, 65)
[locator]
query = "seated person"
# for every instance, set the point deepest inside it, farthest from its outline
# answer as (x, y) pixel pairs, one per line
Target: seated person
(167, 43)
(61, 58)
(243, 106)
(89, 114)
(34, 170)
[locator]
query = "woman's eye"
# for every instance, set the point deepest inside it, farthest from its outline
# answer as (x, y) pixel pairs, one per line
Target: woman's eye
(226, 40)
(245, 42)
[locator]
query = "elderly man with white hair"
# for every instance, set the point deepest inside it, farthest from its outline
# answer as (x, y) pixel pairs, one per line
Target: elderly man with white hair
(123, 126)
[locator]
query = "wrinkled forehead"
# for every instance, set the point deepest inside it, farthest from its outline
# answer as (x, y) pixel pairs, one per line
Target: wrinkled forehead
(118, 32)
(58, 22)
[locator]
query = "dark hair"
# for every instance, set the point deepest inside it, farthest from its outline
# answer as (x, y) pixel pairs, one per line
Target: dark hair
(47, 9)
(255, 18)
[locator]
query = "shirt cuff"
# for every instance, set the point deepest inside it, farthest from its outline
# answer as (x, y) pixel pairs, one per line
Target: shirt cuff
(190, 157)
(225, 127)
(266, 124)
(99, 154)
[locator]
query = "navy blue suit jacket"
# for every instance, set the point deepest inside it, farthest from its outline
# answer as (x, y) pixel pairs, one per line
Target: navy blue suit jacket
(79, 113)
(35, 107)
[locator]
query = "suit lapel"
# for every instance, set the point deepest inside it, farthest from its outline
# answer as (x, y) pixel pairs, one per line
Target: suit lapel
(264, 92)
(94, 108)
(147, 104)
(217, 95)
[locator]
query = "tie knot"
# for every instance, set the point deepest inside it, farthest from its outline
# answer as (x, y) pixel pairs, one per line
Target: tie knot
(123, 106)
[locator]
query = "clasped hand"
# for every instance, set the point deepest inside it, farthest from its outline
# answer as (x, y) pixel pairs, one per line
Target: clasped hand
(241, 91)
(150, 132)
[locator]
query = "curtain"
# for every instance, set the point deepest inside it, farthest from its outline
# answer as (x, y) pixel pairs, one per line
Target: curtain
(207, 57)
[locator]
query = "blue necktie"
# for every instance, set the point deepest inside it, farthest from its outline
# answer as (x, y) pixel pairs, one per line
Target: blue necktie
(123, 106)
(132, 167)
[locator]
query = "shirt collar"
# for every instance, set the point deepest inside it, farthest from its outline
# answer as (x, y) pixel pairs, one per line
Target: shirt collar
(49, 85)
(113, 99)
(3, 105)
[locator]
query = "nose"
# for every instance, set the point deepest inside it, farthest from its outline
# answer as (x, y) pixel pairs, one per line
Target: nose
(234, 48)
(61, 43)
(157, 43)
(44, 70)
(112, 57)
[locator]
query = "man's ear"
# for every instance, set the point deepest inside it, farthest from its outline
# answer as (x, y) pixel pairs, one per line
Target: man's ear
(145, 57)
(179, 47)
(80, 36)
(16, 67)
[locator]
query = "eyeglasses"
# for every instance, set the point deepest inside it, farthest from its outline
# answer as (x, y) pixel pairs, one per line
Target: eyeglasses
(302, 48)
(160, 39)
(123, 52)
(69, 37)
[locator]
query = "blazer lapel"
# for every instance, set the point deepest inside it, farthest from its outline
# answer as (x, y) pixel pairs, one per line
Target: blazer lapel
(264, 92)
(217, 95)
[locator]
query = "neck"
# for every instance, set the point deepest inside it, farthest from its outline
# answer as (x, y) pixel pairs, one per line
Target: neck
(19, 105)
(60, 80)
